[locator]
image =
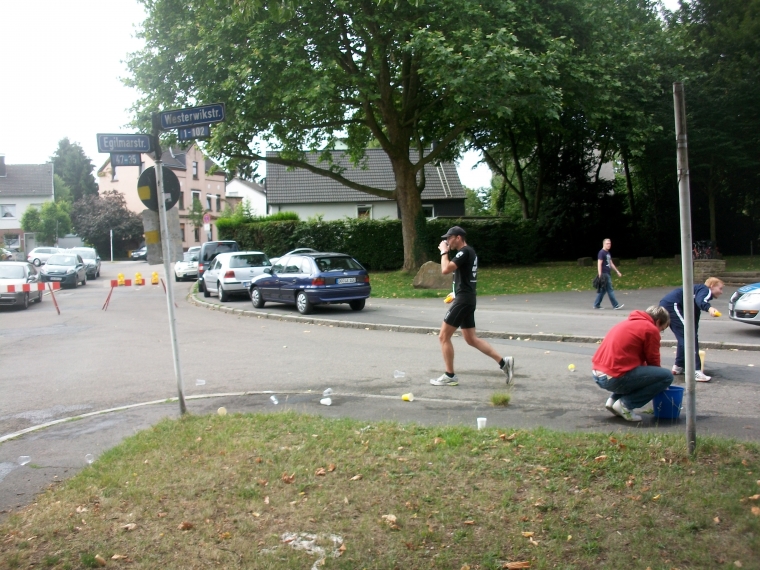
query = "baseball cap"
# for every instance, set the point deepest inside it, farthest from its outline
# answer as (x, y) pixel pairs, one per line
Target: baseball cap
(454, 231)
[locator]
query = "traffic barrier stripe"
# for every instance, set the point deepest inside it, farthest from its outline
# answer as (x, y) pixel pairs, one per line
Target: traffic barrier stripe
(128, 283)
(27, 287)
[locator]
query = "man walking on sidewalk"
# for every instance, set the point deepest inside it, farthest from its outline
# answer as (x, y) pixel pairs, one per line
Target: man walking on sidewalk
(462, 311)
(604, 266)
(627, 363)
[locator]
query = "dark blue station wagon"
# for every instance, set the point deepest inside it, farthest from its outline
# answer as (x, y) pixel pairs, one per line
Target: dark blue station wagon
(310, 279)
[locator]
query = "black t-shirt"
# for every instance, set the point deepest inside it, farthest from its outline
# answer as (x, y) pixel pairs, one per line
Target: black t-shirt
(466, 275)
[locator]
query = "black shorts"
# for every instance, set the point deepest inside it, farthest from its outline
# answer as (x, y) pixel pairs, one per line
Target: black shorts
(460, 315)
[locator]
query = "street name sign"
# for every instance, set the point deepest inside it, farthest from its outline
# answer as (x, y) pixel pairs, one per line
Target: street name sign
(204, 115)
(131, 144)
(194, 133)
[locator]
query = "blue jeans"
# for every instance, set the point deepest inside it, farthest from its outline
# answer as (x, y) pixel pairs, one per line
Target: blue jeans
(638, 386)
(606, 288)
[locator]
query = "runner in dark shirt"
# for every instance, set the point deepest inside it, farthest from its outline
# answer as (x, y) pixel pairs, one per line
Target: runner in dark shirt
(462, 311)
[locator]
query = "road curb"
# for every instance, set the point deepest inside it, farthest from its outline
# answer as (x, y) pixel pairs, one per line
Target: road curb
(527, 337)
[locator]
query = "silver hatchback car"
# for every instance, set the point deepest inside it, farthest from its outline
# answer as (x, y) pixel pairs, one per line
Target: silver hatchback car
(744, 305)
(231, 273)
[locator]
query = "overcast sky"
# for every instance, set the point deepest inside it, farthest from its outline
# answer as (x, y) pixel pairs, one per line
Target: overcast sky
(61, 68)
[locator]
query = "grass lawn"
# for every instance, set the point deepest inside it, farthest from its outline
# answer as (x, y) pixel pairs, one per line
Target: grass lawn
(243, 491)
(552, 277)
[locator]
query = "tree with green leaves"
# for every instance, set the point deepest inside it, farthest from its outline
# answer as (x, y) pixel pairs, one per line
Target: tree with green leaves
(302, 76)
(75, 169)
(61, 190)
(96, 215)
(50, 222)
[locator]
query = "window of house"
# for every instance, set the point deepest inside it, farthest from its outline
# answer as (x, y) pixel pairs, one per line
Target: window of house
(195, 170)
(182, 231)
(181, 200)
(208, 202)
(364, 212)
(218, 203)
(196, 235)
(8, 211)
(196, 197)
(428, 210)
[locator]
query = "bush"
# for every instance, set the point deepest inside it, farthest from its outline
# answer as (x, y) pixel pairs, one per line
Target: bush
(378, 244)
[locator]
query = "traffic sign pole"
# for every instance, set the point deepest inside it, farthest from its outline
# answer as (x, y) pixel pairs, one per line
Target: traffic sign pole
(167, 271)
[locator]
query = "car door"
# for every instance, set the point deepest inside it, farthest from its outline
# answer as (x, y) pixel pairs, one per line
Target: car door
(211, 276)
(269, 285)
(292, 278)
(81, 269)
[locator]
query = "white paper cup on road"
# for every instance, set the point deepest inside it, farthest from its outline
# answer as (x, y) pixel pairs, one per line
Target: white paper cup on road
(326, 401)
(481, 423)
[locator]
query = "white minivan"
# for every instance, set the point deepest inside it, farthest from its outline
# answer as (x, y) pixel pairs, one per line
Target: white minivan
(39, 255)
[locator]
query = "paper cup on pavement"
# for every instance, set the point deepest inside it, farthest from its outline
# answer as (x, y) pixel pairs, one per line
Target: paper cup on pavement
(408, 397)
(481, 423)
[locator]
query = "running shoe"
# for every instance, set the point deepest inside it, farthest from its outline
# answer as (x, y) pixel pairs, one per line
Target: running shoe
(444, 380)
(509, 369)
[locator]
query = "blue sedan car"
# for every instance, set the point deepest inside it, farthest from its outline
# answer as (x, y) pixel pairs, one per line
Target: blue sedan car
(310, 279)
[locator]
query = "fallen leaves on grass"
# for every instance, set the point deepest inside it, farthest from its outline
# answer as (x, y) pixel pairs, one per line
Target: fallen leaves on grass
(185, 525)
(469, 522)
(391, 521)
(356, 477)
(516, 565)
(438, 440)
(99, 560)
(129, 526)
(533, 542)
(288, 479)
(528, 534)
(320, 472)
(263, 482)
(119, 557)
(600, 458)
(756, 511)
(752, 498)
(331, 468)
(161, 515)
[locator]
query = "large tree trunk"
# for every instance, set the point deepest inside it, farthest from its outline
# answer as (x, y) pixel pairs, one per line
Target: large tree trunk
(412, 217)
(629, 184)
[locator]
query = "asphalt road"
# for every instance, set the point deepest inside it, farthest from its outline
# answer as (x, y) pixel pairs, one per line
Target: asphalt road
(87, 359)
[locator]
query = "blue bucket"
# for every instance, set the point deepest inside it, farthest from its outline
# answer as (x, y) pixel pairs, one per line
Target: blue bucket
(667, 404)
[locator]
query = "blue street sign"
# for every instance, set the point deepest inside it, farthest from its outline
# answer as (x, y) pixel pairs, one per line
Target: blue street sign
(193, 133)
(204, 115)
(125, 159)
(124, 143)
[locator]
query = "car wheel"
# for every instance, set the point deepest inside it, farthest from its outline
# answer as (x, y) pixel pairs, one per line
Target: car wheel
(357, 305)
(36, 262)
(256, 298)
(200, 285)
(25, 303)
(76, 283)
(205, 291)
(303, 304)
(39, 297)
(176, 278)
(223, 295)
(84, 281)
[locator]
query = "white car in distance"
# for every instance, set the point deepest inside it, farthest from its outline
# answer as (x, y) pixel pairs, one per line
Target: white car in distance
(187, 268)
(231, 273)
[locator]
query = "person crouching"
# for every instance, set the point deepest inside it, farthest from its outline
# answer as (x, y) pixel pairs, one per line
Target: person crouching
(628, 362)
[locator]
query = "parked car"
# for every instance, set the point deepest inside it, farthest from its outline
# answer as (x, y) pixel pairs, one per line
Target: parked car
(209, 251)
(91, 260)
(187, 268)
(312, 279)
(744, 305)
(19, 273)
(296, 251)
(232, 273)
(39, 255)
(139, 254)
(195, 249)
(65, 268)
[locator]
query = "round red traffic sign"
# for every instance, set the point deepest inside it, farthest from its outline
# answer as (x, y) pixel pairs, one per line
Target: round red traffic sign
(206, 218)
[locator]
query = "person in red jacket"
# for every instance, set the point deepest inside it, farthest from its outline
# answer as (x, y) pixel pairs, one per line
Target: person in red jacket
(628, 362)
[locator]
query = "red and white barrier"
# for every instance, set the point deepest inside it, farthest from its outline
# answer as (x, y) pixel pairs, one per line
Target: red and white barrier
(27, 287)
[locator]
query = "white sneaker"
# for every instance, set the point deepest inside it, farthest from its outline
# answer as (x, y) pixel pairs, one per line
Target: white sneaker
(610, 405)
(509, 369)
(700, 376)
(444, 380)
(676, 370)
(625, 413)
(620, 306)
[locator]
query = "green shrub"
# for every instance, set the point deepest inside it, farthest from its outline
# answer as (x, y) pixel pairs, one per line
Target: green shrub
(378, 244)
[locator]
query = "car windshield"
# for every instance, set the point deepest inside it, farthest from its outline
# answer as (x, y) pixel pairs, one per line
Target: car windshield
(326, 264)
(11, 272)
(62, 260)
(211, 253)
(190, 257)
(249, 260)
(86, 254)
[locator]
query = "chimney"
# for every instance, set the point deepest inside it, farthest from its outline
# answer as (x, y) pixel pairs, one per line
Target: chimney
(2, 166)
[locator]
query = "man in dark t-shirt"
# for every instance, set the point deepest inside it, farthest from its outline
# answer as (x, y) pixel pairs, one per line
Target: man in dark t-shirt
(462, 311)
(604, 266)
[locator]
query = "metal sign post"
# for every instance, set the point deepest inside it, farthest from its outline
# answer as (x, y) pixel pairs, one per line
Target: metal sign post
(167, 271)
(687, 266)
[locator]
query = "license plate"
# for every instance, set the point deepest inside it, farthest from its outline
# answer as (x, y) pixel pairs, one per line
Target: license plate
(246, 284)
(343, 280)
(56, 278)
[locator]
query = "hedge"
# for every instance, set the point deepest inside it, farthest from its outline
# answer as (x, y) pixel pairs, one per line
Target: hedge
(378, 244)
